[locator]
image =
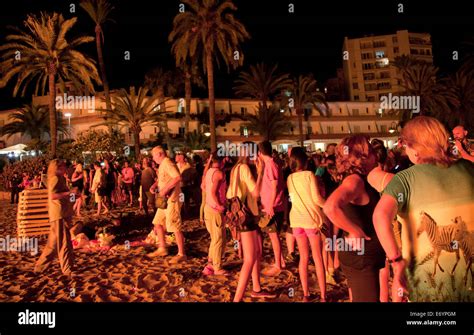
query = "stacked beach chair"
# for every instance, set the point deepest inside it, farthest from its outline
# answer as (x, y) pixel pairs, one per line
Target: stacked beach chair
(32, 217)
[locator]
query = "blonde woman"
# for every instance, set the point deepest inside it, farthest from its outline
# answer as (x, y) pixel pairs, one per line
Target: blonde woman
(78, 179)
(435, 200)
(243, 185)
(99, 188)
(306, 219)
(60, 217)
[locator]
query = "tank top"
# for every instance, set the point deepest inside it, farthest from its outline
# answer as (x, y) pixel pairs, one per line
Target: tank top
(221, 190)
(361, 215)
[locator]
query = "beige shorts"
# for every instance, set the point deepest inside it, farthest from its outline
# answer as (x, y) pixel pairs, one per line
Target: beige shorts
(98, 198)
(169, 218)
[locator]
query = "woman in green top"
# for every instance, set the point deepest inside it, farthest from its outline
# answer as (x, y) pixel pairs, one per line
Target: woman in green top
(435, 201)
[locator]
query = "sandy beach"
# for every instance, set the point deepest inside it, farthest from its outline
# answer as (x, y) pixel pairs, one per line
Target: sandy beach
(125, 274)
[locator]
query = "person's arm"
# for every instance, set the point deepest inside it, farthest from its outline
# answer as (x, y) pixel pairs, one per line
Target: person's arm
(273, 193)
(274, 188)
(216, 180)
(464, 154)
(342, 196)
(206, 168)
(172, 184)
(75, 177)
(57, 195)
(153, 187)
(383, 216)
(176, 179)
(260, 167)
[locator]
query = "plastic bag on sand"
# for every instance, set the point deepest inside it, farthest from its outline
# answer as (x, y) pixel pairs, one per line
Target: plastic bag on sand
(105, 240)
(80, 241)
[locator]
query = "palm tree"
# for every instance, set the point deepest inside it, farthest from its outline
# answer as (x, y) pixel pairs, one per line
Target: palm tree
(30, 120)
(133, 111)
(188, 74)
(161, 83)
(262, 83)
(208, 30)
(269, 122)
(418, 78)
(304, 91)
(460, 90)
(99, 11)
(41, 53)
(197, 141)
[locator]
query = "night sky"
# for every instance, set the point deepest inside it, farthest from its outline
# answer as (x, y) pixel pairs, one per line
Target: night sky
(310, 40)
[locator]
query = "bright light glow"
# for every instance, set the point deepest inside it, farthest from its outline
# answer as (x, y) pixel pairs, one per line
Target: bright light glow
(67, 114)
(319, 145)
(391, 130)
(282, 110)
(207, 134)
(33, 154)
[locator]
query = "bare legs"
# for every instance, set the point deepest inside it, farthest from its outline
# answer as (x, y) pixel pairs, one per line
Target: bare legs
(316, 248)
(251, 266)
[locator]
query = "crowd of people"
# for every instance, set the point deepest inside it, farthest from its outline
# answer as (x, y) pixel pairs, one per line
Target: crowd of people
(356, 208)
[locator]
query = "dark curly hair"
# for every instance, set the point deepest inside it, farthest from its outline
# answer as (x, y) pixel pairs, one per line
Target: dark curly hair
(355, 155)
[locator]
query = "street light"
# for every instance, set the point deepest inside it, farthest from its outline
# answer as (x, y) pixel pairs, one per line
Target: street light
(393, 128)
(206, 131)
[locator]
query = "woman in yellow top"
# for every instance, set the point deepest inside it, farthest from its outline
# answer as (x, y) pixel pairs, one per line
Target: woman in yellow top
(243, 185)
(306, 219)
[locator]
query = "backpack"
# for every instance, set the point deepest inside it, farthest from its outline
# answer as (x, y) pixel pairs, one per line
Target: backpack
(237, 214)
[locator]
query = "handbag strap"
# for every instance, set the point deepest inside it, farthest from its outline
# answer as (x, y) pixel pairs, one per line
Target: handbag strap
(293, 183)
(237, 179)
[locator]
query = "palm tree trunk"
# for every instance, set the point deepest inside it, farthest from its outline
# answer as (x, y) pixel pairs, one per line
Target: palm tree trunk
(167, 138)
(187, 96)
(300, 125)
(136, 143)
(164, 124)
(52, 110)
(212, 102)
(105, 83)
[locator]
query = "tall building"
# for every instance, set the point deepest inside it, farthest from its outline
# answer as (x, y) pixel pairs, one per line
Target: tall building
(367, 61)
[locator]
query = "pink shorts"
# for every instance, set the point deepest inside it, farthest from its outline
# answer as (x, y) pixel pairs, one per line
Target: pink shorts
(300, 232)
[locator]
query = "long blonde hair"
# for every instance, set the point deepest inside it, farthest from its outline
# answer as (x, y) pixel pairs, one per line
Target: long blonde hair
(428, 137)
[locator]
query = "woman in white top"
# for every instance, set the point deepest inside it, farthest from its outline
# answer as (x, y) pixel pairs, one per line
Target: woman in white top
(98, 183)
(306, 219)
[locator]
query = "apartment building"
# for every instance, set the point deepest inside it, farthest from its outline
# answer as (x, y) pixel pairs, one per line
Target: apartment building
(343, 118)
(367, 62)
